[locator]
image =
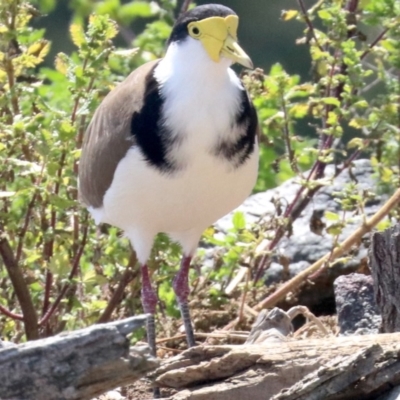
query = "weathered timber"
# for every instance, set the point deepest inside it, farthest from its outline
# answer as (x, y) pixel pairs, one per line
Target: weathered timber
(384, 256)
(77, 365)
(333, 368)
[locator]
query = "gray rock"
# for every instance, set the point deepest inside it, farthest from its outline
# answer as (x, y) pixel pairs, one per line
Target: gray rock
(356, 308)
(304, 247)
(4, 344)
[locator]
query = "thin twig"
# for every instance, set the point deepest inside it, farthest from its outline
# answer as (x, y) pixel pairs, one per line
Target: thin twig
(185, 6)
(309, 23)
(74, 270)
(24, 228)
(28, 213)
(47, 292)
(127, 277)
(286, 137)
(20, 287)
(243, 297)
(297, 310)
(374, 43)
(11, 314)
(11, 52)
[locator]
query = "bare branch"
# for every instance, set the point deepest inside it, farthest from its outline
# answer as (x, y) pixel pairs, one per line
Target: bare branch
(185, 6)
(374, 43)
(308, 22)
(127, 277)
(20, 287)
(10, 314)
(73, 272)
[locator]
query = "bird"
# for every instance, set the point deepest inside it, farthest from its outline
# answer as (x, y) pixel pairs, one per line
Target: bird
(174, 147)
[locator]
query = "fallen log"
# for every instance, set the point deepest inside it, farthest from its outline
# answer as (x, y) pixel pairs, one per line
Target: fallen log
(77, 365)
(333, 368)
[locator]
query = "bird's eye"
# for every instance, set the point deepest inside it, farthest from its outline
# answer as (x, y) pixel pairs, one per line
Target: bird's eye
(195, 31)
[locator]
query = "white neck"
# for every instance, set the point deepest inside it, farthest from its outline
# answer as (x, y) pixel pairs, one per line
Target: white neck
(189, 60)
(202, 98)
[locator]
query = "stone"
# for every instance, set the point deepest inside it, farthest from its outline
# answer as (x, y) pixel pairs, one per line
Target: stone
(356, 307)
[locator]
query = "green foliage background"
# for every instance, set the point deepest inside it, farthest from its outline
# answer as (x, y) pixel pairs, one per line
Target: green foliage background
(57, 271)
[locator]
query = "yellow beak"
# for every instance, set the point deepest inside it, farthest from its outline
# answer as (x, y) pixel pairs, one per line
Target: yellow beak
(218, 36)
(233, 51)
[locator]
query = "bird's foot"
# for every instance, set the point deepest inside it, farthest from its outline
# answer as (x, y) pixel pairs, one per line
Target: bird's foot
(187, 322)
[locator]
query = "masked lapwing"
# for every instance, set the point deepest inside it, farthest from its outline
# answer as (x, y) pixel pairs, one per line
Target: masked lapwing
(174, 147)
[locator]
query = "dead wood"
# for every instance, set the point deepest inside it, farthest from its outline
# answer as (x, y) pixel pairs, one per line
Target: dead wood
(75, 366)
(385, 269)
(354, 367)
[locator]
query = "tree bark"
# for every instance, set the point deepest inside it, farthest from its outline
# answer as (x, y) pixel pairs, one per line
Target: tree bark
(385, 269)
(75, 366)
(333, 368)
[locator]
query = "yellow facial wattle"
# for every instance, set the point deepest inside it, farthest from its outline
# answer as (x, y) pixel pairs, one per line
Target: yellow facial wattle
(219, 37)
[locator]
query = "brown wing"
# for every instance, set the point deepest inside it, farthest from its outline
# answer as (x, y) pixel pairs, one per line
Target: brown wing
(108, 136)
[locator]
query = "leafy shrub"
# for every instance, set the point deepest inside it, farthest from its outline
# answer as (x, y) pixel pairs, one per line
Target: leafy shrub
(57, 271)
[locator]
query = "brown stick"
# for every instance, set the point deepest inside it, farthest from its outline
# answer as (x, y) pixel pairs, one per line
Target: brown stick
(11, 314)
(21, 289)
(185, 6)
(74, 270)
(287, 287)
(117, 296)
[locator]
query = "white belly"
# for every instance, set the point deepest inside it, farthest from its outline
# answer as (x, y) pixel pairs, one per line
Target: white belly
(203, 99)
(143, 200)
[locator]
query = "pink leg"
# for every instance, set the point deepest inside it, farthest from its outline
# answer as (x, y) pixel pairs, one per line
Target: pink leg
(149, 302)
(149, 296)
(181, 289)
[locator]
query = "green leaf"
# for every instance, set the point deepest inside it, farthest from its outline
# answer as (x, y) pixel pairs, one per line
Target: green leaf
(332, 118)
(358, 122)
(331, 216)
(60, 202)
(61, 63)
(299, 110)
(355, 143)
(59, 264)
(36, 287)
(238, 220)
(77, 35)
(287, 15)
(333, 101)
(89, 277)
(335, 229)
(383, 225)
(109, 7)
(324, 14)
(66, 130)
